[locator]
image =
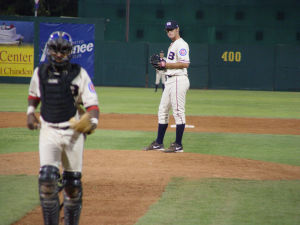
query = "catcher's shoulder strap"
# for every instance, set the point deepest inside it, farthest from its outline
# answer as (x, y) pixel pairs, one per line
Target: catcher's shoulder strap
(42, 72)
(73, 71)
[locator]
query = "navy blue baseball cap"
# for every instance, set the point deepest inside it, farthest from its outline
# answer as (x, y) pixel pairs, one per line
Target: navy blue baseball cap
(171, 25)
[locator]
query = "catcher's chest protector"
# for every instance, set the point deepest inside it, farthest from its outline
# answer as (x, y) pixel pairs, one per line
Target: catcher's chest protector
(56, 95)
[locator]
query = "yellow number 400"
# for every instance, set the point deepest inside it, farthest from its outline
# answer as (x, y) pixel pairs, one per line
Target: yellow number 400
(231, 56)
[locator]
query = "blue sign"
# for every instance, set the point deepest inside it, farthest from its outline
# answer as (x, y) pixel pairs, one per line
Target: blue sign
(83, 36)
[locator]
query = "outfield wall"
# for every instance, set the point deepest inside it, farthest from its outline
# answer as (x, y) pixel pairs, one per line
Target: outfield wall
(223, 66)
(213, 66)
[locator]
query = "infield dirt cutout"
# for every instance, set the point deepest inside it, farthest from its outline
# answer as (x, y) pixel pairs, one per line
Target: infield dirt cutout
(120, 185)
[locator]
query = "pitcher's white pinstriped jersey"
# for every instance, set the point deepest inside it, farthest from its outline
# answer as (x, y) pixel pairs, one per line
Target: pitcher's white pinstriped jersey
(176, 85)
(178, 52)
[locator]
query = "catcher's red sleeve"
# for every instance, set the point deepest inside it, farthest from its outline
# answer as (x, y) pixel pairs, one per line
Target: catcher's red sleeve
(30, 97)
(93, 107)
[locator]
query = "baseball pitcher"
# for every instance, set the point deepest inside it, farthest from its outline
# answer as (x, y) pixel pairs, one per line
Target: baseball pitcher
(65, 91)
(176, 87)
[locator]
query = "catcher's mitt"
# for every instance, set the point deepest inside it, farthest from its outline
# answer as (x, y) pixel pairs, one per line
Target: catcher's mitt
(157, 62)
(84, 124)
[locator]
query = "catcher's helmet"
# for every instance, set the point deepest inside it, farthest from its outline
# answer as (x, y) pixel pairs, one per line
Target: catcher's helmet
(59, 48)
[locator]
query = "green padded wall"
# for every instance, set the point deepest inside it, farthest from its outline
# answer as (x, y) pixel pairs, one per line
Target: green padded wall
(122, 64)
(199, 67)
(243, 67)
(287, 76)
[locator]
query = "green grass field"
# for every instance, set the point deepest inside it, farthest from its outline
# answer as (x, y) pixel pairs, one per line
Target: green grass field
(263, 104)
(13, 202)
(226, 201)
(206, 201)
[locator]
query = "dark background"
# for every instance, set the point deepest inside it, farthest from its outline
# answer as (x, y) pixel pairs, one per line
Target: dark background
(46, 7)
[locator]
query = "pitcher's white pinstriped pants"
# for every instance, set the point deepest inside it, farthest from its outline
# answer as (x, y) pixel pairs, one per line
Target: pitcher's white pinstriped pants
(174, 97)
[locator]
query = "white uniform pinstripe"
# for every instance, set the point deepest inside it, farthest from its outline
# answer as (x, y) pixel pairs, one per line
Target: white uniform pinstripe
(176, 85)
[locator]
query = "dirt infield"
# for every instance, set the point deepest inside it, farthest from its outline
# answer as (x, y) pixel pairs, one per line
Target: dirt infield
(119, 186)
(201, 123)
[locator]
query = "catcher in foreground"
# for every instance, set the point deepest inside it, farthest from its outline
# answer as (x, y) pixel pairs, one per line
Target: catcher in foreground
(60, 87)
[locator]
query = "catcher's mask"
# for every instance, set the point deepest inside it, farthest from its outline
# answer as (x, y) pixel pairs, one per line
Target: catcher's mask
(59, 49)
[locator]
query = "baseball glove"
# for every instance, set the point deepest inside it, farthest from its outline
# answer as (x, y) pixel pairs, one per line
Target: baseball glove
(83, 125)
(157, 62)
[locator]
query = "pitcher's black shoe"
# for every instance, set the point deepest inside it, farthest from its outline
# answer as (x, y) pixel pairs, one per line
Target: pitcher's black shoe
(155, 146)
(174, 147)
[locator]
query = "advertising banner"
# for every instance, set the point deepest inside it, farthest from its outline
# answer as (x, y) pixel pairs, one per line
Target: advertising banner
(16, 48)
(83, 36)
